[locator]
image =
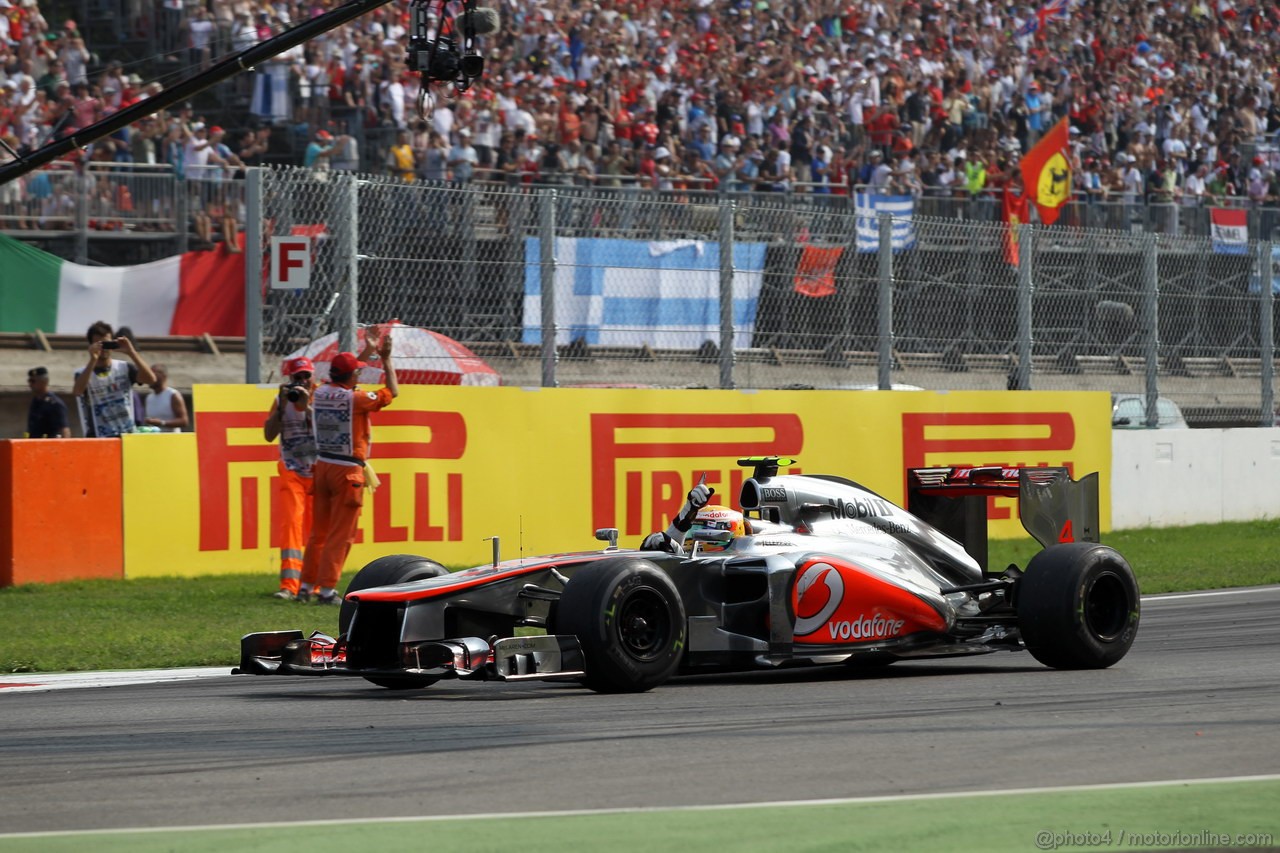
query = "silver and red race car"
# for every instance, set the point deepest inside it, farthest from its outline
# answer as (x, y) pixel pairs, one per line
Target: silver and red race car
(826, 572)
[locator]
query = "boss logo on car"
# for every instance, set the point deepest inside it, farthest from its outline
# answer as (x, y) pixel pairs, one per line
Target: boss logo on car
(866, 628)
(773, 494)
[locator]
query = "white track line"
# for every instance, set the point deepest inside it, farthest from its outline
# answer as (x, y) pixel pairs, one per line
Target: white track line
(35, 682)
(1179, 596)
(843, 801)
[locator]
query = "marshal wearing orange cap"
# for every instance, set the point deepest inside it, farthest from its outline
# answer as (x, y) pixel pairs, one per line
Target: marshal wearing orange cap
(341, 414)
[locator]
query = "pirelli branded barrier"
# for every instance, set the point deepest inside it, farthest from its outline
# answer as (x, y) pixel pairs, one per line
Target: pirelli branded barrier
(542, 469)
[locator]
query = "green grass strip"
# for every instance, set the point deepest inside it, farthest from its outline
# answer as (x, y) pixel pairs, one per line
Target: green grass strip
(1154, 817)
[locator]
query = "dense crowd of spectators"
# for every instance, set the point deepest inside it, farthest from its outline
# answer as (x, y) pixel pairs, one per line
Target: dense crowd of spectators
(1168, 100)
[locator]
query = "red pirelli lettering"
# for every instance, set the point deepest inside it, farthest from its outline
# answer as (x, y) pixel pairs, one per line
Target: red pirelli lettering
(1049, 437)
(446, 438)
(691, 436)
(383, 529)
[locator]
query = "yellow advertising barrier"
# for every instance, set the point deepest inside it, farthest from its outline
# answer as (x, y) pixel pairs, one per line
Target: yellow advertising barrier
(544, 468)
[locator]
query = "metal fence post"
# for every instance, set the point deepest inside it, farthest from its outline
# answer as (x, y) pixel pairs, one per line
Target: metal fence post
(884, 305)
(82, 218)
(1151, 325)
(1026, 292)
(547, 259)
(1266, 331)
(253, 275)
(728, 209)
(470, 253)
(348, 199)
(183, 227)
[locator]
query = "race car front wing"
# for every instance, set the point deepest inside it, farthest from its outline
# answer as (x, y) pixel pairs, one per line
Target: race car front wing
(544, 657)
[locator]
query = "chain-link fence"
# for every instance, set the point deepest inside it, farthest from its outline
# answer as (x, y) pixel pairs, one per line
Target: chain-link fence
(815, 292)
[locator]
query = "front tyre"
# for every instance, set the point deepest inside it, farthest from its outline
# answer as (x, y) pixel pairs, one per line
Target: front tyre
(630, 621)
(1078, 606)
(388, 571)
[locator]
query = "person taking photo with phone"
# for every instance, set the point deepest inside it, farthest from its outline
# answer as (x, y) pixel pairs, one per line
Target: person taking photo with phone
(104, 387)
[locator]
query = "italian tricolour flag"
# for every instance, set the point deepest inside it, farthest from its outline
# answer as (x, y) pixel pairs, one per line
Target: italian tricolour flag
(190, 294)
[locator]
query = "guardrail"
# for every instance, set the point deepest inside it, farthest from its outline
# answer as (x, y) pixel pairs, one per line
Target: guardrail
(48, 342)
(130, 201)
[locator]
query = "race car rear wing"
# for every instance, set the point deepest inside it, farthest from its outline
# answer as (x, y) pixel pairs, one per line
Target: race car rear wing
(1053, 507)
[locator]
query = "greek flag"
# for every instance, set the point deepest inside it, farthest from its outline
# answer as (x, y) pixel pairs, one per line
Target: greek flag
(270, 98)
(663, 294)
(868, 206)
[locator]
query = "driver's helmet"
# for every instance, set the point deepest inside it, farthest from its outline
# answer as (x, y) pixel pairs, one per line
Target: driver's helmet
(716, 518)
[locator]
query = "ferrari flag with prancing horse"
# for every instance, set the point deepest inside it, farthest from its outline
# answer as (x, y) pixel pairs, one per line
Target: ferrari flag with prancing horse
(1046, 172)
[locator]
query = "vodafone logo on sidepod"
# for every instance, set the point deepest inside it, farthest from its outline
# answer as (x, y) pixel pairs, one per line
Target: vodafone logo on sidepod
(819, 591)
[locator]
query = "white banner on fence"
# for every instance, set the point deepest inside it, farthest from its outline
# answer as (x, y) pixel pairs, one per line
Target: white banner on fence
(636, 293)
(1230, 227)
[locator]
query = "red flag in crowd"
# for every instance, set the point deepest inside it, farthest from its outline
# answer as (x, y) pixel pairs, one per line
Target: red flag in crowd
(816, 271)
(1046, 172)
(1016, 210)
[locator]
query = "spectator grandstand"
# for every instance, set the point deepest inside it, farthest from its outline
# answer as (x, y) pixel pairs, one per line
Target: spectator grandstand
(1171, 102)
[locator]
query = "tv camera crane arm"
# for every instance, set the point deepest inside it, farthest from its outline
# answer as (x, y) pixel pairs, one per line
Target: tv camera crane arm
(440, 58)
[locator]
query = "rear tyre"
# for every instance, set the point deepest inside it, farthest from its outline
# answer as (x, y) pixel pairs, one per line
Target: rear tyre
(1078, 606)
(630, 620)
(388, 571)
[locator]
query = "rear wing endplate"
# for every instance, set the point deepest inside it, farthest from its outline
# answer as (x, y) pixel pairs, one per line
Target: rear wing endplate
(1053, 507)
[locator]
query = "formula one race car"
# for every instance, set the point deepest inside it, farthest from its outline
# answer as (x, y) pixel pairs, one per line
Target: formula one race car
(824, 571)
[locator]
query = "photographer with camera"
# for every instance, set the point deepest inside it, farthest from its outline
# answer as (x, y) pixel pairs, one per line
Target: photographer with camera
(291, 420)
(104, 387)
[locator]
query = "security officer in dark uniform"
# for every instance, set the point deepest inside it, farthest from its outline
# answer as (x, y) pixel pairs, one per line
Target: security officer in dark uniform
(47, 417)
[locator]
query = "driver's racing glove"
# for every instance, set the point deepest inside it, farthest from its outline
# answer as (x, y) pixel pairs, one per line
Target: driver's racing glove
(660, 541)
(670, 539)
(699, 496)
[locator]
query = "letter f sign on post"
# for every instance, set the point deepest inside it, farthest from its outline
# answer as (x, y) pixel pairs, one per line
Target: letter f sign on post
(290, 263)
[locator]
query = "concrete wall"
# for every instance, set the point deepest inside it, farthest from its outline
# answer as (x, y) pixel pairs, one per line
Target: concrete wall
(1167, 477)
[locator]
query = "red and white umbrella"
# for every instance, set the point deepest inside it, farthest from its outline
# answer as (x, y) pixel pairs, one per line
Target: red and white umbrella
(422, 357)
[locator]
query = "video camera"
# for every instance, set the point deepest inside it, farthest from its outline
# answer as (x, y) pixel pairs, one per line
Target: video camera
(292, 392)
(437, 54)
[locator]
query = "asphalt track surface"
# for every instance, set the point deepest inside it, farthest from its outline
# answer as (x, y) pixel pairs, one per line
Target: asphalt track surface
(1195, 698)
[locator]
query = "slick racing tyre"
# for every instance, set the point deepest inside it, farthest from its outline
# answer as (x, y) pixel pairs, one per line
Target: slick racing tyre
(1078, 606)
(630, 621)
(387, 571)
